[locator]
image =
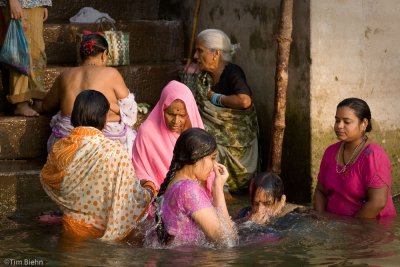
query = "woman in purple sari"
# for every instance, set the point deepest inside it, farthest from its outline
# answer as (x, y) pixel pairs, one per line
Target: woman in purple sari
(186, 214)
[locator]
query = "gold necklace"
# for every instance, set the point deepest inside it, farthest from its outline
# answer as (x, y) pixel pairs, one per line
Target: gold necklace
(352, 157)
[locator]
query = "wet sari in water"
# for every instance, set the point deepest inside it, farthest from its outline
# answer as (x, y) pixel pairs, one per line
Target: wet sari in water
(93, 181)
(347, 191)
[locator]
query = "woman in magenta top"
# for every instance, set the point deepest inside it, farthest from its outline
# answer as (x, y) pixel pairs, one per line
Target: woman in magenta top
(354, 177)
(185, 212)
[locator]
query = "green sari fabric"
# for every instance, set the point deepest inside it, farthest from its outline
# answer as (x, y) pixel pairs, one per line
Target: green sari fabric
(236, 132)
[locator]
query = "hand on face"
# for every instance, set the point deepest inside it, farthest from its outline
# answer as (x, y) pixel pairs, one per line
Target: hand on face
(221, 174)
(264, 208)
(260, 217)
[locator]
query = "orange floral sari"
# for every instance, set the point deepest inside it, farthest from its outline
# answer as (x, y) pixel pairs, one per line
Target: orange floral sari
(93, 181)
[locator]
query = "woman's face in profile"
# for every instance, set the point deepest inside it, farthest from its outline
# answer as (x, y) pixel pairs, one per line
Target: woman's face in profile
(176, 117)
(205, 57)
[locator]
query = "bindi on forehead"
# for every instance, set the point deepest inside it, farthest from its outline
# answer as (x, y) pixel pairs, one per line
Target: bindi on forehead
(177, 106)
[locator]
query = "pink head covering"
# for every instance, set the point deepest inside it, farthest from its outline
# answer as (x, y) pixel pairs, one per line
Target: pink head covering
(154, 144)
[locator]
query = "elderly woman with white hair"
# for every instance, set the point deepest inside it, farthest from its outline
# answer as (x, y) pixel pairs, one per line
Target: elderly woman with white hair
(226, 107)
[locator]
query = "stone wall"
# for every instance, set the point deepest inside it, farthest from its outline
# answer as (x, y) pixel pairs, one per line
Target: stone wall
(354, 51)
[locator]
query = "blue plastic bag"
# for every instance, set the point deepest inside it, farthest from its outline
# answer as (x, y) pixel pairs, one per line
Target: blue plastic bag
(15, 51)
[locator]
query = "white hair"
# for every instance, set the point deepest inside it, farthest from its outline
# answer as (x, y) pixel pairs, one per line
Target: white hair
(216, 39)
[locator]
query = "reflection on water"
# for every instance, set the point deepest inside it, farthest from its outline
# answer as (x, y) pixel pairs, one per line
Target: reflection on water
(296, 240)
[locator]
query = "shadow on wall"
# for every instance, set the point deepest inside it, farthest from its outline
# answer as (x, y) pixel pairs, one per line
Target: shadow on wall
(5, 106)
(169, 10)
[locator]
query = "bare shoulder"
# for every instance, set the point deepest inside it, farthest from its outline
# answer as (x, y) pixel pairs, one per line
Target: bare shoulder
(68, 73)
(110, 74)
(112, 71)
(117, 82)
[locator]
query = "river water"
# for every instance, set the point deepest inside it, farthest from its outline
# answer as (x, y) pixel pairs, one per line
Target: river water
(296, 240)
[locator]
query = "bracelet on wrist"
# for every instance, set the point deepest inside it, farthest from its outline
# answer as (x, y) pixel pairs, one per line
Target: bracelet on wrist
(149, 186)
(220, 101)
(216, 99)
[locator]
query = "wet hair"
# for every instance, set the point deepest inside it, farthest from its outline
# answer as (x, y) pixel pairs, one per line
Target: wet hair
(360, 108)
(90, 109)
(268, 182)
(192, 145)
(92, 45)
(216, 39)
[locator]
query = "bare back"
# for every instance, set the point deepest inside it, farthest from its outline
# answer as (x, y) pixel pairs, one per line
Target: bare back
(72, 81)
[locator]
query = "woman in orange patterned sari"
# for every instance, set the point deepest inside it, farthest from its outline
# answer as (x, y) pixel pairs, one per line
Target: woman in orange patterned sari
(92, 178)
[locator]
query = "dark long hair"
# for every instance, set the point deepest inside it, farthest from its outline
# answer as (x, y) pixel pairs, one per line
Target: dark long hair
(192, 145)
(92, 45)
(90, 109)
(360, 108)
(269, 182)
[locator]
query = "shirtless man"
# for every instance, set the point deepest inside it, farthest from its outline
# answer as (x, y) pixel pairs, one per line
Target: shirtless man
(92, 74)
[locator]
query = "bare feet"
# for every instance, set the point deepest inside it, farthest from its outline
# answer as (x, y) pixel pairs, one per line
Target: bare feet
(23, 109)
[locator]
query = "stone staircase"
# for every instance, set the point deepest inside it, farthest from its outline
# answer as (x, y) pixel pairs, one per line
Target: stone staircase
(156, 51)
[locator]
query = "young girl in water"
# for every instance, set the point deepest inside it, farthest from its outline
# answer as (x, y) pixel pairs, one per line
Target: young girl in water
(267, 199)
(186, 214)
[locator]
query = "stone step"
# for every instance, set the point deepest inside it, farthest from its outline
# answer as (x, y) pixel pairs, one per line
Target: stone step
(21, 167)
(125, 10)
(23, 137)
(144, 80)
(20, 189)
(26, 138)
(149, 41)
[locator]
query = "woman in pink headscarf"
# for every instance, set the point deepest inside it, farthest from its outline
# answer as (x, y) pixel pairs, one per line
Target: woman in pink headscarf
(152, 150)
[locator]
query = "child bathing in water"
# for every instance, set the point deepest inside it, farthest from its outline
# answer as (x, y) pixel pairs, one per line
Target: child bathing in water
(267, 199)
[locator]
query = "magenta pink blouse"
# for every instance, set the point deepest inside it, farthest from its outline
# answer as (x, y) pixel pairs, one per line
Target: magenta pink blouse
(181, 200)
(346, 192)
